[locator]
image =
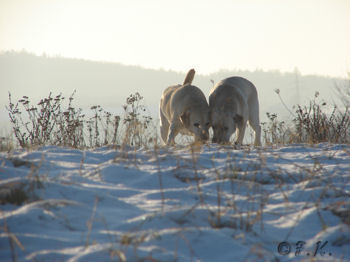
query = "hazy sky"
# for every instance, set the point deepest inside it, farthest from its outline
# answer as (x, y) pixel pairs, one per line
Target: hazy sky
(312, 35)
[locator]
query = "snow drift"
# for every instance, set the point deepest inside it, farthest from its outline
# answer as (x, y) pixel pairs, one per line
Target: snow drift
(176, 204)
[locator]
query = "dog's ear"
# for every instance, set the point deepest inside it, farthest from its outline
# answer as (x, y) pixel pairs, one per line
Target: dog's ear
(189, 77)
(238, 119)
(185, 118)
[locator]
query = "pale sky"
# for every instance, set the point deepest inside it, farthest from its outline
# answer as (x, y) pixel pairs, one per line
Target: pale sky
(312, 35)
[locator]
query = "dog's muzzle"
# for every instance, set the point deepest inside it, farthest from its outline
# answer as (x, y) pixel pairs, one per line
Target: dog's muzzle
(204, 135)
(218, 140)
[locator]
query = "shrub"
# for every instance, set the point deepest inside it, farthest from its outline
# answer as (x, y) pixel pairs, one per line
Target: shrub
(137, 124)
(50, 123)
(47, 122)
(6, 144)
(313, 124)
(275, 131)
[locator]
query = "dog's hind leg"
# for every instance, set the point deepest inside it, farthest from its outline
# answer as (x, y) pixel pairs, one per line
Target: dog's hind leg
(173, 131)
(257, 129)
(164, 126)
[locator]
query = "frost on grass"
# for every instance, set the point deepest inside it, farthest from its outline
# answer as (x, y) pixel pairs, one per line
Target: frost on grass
(215, 203)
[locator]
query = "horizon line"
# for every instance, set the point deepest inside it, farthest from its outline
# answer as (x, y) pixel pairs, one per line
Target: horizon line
(296, 70)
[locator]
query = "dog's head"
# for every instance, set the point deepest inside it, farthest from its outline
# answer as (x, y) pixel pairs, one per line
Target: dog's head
(224, 125)
(197, 122)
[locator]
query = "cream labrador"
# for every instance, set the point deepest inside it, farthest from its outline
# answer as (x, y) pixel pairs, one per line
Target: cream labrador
(232, 102)
(184, 109)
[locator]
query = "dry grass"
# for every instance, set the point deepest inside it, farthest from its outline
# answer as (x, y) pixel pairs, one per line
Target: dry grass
(51, 122)
(314, 123)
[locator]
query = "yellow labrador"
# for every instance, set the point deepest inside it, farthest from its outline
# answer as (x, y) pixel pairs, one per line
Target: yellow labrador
(184, 109)
(233, 101)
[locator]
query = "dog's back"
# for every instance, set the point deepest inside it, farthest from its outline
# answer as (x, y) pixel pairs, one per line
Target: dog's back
(189, 96)
(184, 108)
(234, 100)
(236, 88)
(169, 96)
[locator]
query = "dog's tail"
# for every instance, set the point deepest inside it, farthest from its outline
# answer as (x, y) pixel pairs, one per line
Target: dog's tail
(189, 77)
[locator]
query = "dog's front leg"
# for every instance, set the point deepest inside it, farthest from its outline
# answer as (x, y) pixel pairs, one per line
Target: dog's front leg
(241, 130)
(173, 131)
(257, 141)
(164, 127)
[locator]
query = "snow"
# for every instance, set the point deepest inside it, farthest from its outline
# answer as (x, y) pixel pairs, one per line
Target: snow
(209, 203)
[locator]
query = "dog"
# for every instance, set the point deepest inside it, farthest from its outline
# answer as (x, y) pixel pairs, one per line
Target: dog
(184, 109)
(232, 102)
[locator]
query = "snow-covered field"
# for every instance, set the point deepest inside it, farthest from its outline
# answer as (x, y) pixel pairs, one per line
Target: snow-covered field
(185, 204)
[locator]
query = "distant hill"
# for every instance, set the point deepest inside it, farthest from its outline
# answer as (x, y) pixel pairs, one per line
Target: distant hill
(108, 84)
